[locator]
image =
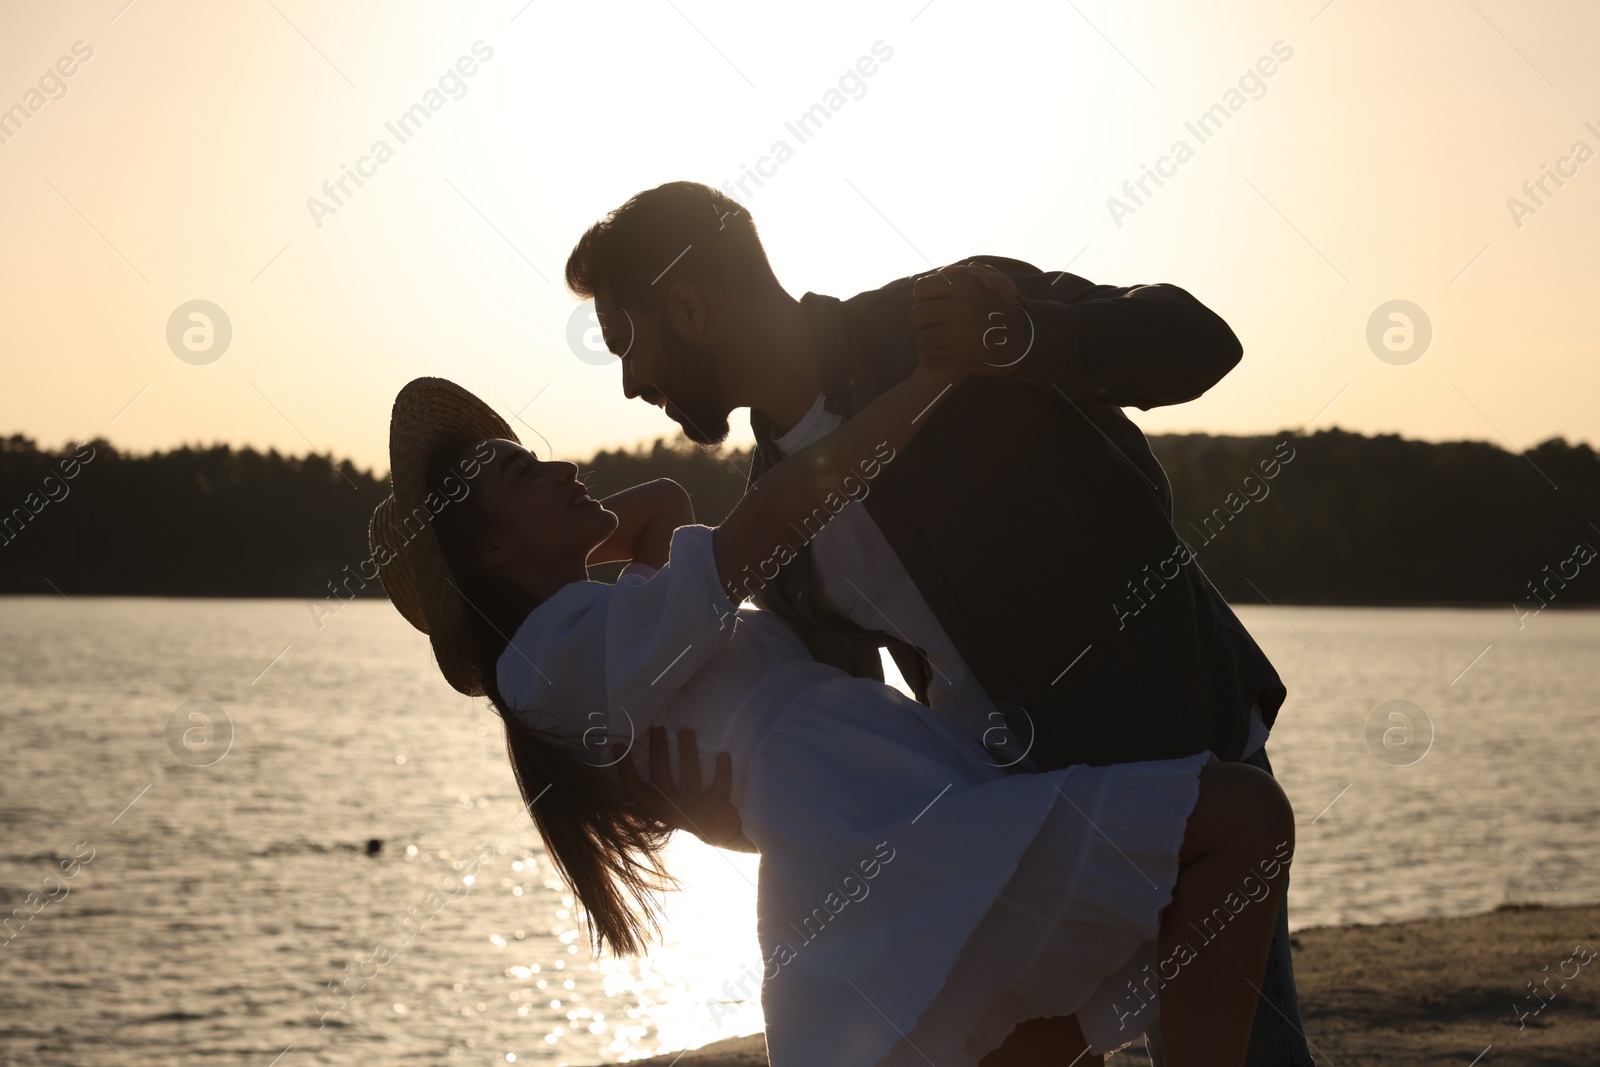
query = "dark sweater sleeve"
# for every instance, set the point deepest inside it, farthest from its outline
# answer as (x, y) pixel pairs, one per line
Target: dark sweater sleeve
(1136, 346)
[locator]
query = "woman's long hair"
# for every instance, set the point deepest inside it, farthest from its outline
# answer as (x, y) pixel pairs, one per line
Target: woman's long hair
(606, 847)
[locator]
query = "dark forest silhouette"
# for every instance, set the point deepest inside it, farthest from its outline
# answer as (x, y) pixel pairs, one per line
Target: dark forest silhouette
(1330, 518)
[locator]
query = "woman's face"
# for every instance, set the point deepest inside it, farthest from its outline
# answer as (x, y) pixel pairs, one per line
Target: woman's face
(538, 514)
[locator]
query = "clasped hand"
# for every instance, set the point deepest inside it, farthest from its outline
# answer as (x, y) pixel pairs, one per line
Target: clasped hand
(970, 319)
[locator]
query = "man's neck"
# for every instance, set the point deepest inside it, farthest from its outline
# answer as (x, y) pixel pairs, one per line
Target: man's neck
(779, 374)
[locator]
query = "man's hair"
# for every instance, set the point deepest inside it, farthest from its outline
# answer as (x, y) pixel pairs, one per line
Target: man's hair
(681, 230)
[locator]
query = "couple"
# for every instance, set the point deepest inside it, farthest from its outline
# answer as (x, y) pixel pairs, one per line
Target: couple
(1061, 839)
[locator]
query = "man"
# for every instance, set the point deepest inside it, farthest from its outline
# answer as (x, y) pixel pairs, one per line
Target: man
(1068, 624)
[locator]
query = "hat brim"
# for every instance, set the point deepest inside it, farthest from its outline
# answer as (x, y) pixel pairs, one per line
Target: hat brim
(429, 414)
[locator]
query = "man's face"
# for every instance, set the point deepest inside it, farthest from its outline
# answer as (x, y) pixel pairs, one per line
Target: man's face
(668, 370)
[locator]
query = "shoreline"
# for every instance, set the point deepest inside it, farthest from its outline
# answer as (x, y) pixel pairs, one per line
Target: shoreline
(1409, 994)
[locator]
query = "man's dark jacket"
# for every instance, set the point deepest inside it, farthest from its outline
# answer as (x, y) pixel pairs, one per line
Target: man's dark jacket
(1036, 523)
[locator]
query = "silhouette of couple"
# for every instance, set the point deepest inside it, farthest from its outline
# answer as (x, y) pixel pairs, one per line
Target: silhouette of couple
(1070, 838)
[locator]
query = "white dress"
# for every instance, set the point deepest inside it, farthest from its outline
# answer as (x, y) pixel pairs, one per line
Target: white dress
(916, 901)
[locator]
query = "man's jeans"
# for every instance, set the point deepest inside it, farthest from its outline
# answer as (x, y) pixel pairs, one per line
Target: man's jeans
(1277, 1038)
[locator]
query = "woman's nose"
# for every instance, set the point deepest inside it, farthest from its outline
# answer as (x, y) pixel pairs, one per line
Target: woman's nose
(558, 471)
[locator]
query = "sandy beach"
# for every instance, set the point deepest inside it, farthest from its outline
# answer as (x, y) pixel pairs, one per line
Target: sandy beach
(1416, 993)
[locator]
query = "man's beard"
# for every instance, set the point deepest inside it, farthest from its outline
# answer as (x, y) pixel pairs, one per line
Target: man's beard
(695, 391)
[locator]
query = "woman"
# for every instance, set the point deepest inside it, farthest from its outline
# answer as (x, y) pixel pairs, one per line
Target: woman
(917, 904)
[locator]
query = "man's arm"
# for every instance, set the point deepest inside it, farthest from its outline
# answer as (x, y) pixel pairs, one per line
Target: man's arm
(708, 813)
(1144, 346)
(1134, 346)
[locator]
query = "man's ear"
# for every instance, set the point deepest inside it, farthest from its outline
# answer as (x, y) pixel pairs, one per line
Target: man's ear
(687, 310)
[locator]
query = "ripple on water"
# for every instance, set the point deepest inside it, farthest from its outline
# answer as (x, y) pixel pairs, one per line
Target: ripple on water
(230, 910)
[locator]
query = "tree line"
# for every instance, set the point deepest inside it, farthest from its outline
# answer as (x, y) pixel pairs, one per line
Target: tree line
(1327, 518)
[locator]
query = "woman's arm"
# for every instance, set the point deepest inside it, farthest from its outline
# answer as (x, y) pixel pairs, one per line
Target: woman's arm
(646, 516)
(792, 500)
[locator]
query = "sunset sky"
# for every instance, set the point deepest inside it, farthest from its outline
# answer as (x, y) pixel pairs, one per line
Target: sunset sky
(1376, 162)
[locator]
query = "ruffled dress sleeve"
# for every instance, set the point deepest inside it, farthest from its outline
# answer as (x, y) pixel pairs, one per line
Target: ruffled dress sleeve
(664, 628)
(612, 656)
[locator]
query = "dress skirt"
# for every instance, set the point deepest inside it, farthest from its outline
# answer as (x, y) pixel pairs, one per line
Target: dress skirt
(917, 901)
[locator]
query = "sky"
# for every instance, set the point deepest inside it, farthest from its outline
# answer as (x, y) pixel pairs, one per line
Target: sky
(1361, 153)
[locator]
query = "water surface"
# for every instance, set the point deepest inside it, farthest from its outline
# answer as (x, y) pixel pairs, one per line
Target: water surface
(225, 893)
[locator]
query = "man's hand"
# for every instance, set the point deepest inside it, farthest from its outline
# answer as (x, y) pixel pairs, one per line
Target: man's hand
(969, 318)
(706, 813)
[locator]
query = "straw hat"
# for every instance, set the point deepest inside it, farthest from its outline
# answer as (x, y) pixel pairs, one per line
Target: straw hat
(429, 414)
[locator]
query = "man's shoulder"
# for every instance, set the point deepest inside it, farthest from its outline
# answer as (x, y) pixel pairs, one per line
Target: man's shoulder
(878, 329)
(901, 286)
(1005, 263)
(885, 310)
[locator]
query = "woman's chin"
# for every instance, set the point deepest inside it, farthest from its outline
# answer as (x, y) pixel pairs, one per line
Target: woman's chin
(603, 519)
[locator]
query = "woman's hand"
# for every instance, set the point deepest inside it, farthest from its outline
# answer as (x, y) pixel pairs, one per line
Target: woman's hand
(707, 813)
(970, 320)
(646, 516)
